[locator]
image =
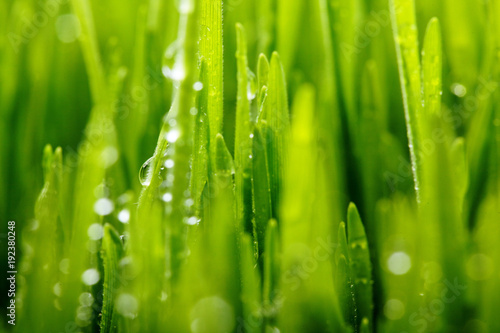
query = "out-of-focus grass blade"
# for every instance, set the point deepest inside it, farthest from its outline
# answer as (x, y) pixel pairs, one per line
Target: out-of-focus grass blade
(287, 24)
(242, 143)
(440, 210)
(345, 16)
(261, 186)
(111, 252)
(361, 268)
(372, 127)
(309, 295)
(407, 50)
(481, 266)
(41, 278)
(250, 287)
(271, 270)
(266, 23)
(90, 49)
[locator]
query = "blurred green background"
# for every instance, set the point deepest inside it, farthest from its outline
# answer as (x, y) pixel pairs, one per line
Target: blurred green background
(45, 98)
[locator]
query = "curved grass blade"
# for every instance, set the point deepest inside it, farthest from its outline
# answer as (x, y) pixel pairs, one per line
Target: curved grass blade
(407, 51)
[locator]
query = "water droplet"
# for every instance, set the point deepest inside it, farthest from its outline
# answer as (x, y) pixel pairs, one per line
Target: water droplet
(172, 122)
(83, 316)
(191, 221)
(103, 207)
(86, 299)
(197, 86)
(145, 173)
(57, 289)
(212, 314)
(399, 263)
(458, 89)
(91, 276)
(68, 28)
(185, 6)
(189, 202)
(163, 296)
(479, 267)
(167, 197)
(193, 111)
(64, 266)
(165, 70)
(394, 309)
(95, 231)
(173, 135)
(127, 305)
(101, 191)
(251, 136)
(57, 304)
(124, 216)
(177, 73)
(169, 163)
(109, 156)
(252, 86)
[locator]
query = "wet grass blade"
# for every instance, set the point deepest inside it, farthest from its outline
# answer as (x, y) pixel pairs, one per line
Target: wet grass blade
(361, 269)
(261, 186)
(407, 50)
(242, 143)
(211, 53)
(277, 116)
(111, 253)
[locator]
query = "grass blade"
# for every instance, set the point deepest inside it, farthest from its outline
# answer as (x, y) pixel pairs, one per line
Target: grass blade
(111, 253)
(242, 143)
(407, 50)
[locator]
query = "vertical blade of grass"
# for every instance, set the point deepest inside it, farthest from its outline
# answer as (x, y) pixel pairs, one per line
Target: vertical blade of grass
(211, 53)
(90, 49)
(42, 280)
(148, 246)
(199, 170)
(407, 50)
(309, 294)
(266, 24)
(271, 271)
(361, 268)
(262, 81)
(250, 287)
(111, 252)
(261, 185)
(278, 119)
(443, 208)
(287, 25)
(242, 143)
(344, 280)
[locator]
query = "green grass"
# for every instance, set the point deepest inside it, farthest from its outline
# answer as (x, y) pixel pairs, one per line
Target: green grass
(251, 166)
